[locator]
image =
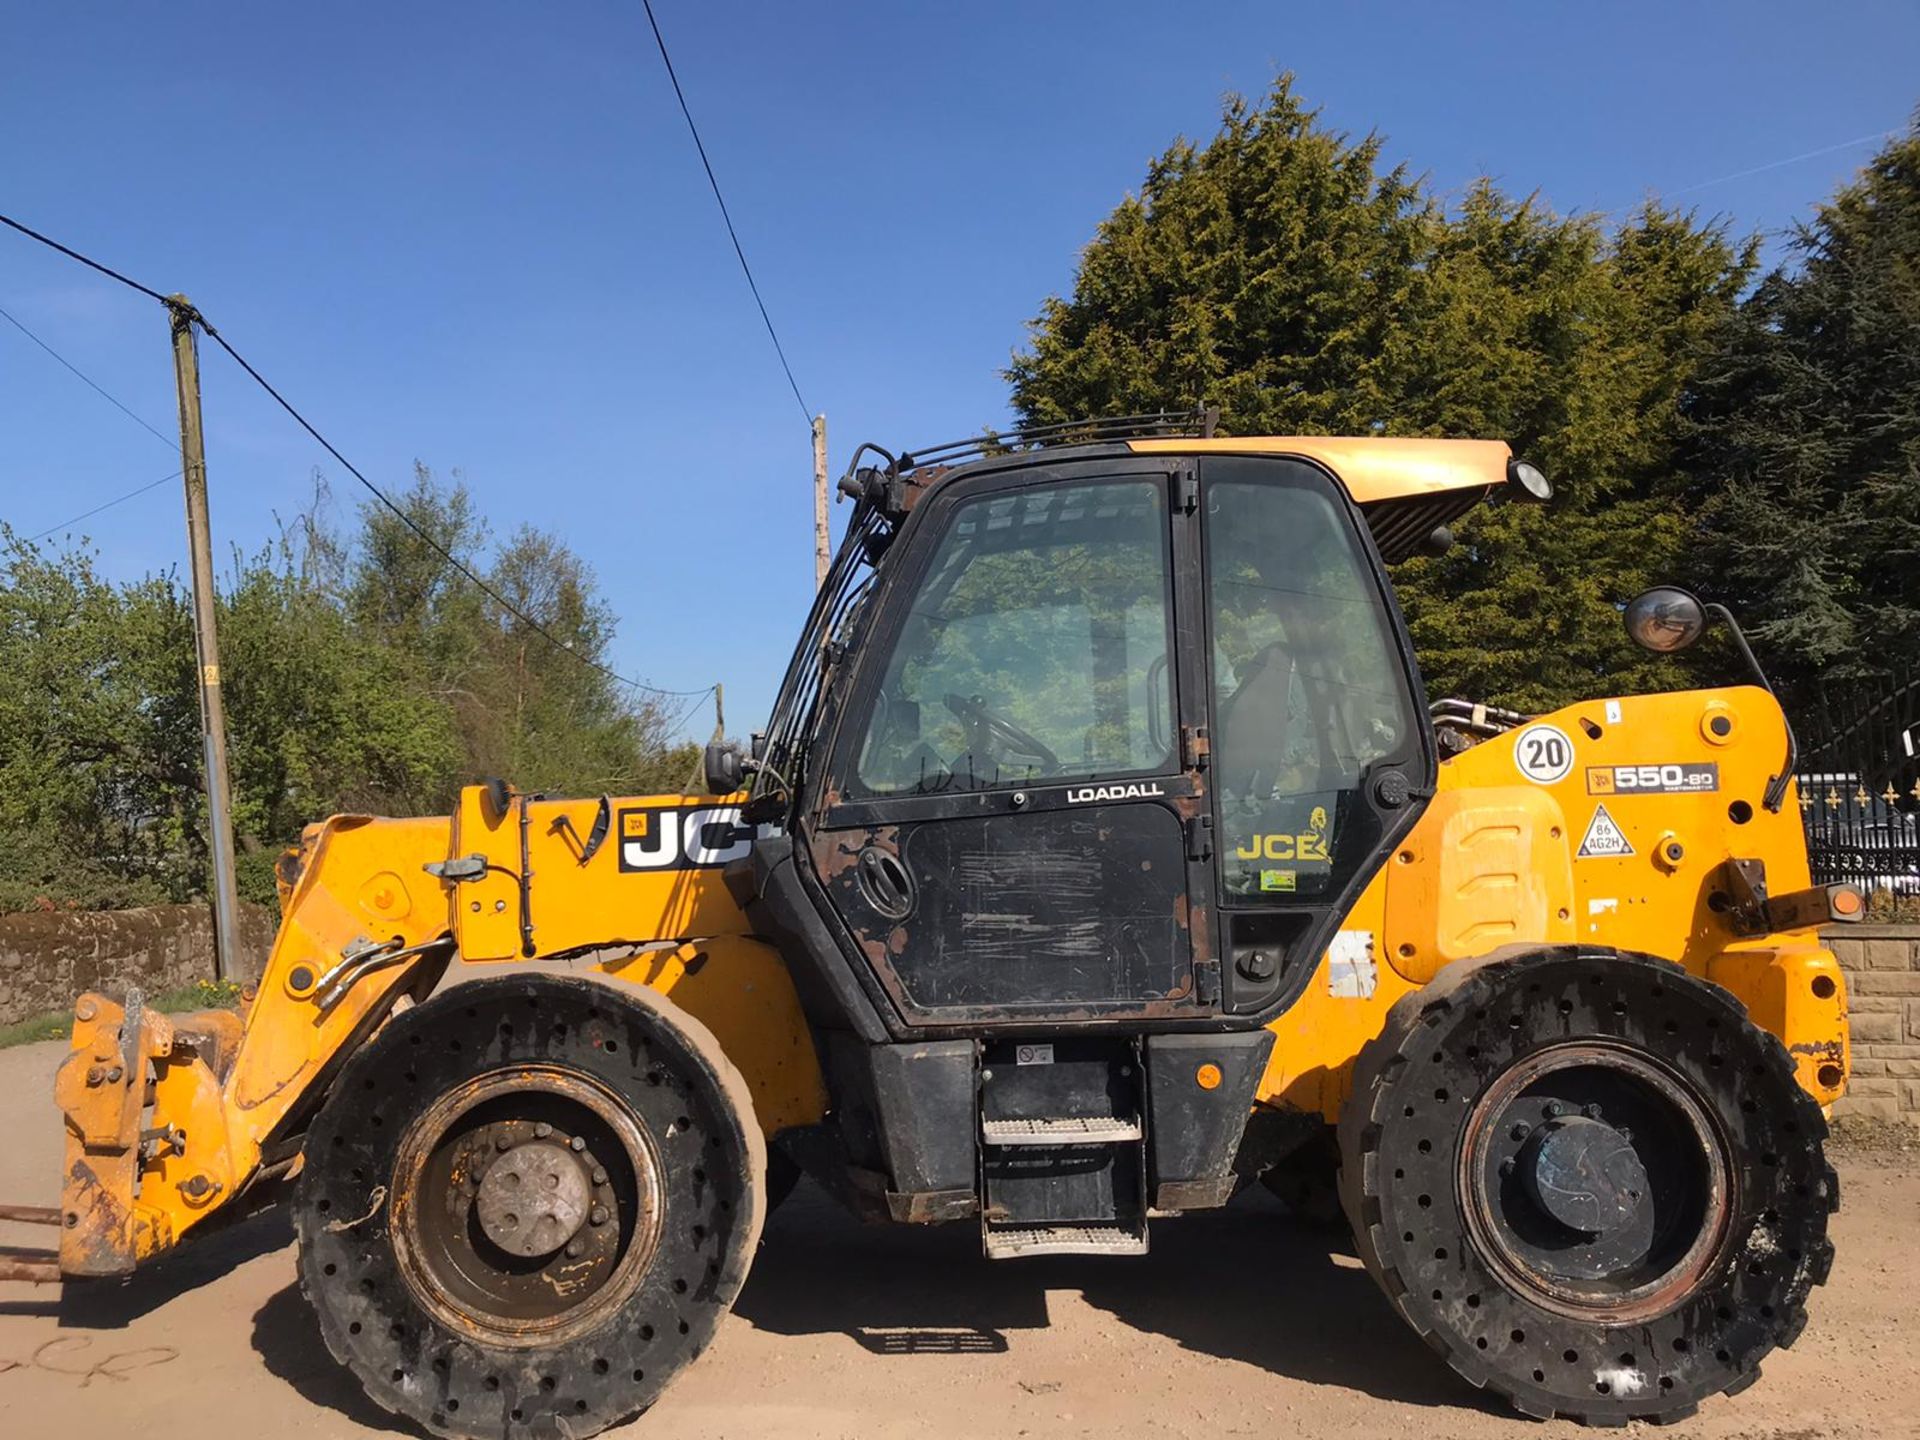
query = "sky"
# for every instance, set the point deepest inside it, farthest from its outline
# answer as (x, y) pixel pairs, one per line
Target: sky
(477, 235)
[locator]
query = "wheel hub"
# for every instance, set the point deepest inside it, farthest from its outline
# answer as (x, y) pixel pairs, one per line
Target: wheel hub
(1594, 1180)
(534, 1199)
(1585, 1174)
(527, 1203)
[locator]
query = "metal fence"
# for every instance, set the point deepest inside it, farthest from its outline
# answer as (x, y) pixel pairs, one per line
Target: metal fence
(1859, 782)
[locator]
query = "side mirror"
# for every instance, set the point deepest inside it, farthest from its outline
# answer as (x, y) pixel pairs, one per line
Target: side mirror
(725, 766)
(1529, 482)
(1665, 619)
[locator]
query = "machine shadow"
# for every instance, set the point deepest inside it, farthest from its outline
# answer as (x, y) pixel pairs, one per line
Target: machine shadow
(1246, 1283)
(287, 1338)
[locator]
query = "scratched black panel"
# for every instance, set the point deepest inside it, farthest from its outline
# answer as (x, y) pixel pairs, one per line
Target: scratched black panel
(1047, 910)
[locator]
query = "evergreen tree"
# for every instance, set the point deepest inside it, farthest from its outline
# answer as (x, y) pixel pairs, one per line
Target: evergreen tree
(1280, 273)
(1806, 459)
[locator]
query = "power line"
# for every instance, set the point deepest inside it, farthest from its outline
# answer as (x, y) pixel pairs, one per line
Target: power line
(732, 235)
(194, 316)
(1874, 138)
(90, 382)
(424, 535)
(91, 264)
(89, 514)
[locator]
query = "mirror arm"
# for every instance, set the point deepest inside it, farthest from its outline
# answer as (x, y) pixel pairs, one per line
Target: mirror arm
(1777, 786)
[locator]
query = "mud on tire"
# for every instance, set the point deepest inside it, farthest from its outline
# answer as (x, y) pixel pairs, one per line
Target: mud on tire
(1589, 1182)
(413, 1292)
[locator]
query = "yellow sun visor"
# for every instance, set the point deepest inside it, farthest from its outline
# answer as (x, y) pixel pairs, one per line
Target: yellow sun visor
(1375, 468)
(1409, 490)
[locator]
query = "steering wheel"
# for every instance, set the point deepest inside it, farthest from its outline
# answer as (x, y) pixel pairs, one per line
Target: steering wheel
(997, 727)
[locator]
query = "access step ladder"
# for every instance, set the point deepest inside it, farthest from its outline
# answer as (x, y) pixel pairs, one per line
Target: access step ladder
(1062, 1149)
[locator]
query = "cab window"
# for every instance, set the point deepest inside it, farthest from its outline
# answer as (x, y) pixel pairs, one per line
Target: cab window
(1308, 687)
(1036, 646)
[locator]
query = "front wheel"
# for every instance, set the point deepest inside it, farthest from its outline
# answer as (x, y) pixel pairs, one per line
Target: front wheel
(526, 1206)
(1589, 1182)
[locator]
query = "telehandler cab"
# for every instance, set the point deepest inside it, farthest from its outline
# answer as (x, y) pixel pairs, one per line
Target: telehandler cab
(1102, 855)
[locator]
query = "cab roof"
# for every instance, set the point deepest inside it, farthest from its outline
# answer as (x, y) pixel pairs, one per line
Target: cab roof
(1408, 489)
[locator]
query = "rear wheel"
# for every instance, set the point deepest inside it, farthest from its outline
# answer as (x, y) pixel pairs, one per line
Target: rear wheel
(526, 1206)
(1589, 1182)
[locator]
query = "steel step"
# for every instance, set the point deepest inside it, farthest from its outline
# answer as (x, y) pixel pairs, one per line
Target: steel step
(1065, 1130)
(1011, 1242)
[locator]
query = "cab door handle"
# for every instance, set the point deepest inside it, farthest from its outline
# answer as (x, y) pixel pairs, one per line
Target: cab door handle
(885, 883)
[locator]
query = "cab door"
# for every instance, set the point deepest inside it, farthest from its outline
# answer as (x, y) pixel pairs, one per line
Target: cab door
(1321, 755)
(1011, 830)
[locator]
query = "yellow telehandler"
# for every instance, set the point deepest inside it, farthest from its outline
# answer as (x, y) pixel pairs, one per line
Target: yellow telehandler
(1102, 855)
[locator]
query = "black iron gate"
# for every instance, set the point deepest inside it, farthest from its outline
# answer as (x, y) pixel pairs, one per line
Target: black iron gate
(1859, 783)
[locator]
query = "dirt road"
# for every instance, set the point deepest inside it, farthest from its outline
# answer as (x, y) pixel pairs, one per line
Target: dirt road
(1238, 1323)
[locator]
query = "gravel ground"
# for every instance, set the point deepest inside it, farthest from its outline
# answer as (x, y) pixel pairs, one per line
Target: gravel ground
(1238, 1323)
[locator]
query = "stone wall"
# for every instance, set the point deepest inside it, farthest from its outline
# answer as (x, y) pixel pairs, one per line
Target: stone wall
(46, 959)
(1882, 965)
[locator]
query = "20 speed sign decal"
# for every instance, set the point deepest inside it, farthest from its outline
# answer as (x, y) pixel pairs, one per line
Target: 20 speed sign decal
(1543, 753)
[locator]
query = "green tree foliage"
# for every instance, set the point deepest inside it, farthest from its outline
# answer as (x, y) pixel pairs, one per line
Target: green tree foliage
(1807, 456)
(362, 673)
(1280, 273)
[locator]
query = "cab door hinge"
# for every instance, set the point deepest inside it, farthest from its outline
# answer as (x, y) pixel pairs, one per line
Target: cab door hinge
(1196, 747)
(463, 867)
(1206, 982)
(1200, 838)
(1186, 490)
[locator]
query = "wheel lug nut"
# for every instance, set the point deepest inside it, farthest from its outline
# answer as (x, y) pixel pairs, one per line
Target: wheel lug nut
(1521, 1131)
(576, 1144)
(1592, 1112)
(599, 1176)
(1625, 1134)
(597, 1216)
(574, 1247)
(503, 1142)
(542, 1130)
(1506, 1167)
(1555, 1109)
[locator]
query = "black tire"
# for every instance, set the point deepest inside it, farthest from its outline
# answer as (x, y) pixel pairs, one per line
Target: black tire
(686, 1212)
(1436, 1179)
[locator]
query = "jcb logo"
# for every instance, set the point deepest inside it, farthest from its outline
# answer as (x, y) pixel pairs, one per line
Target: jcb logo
(1284, 847)
(672, 838)
(1310, 844)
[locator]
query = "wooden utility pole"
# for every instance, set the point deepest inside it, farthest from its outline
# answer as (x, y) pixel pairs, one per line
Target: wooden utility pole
(213, 719)
(822, 551)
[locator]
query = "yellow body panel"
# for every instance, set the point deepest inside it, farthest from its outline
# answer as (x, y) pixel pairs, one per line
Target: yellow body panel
(1373, 468)
(653, 877)
(1495, 861)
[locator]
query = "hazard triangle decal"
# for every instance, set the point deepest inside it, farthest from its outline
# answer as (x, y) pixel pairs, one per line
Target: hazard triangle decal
(1604, 839)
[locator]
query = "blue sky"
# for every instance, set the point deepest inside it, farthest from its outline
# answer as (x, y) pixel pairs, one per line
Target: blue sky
(477, 234)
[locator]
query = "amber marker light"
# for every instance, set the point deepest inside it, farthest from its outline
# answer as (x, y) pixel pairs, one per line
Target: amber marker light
(1207, 1077)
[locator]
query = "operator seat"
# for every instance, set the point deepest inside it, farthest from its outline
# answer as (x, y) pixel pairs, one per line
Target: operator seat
(1252, 723)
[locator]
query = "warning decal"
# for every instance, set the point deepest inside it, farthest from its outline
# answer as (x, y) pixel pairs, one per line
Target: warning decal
(1604, 839)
